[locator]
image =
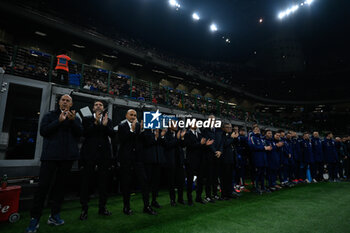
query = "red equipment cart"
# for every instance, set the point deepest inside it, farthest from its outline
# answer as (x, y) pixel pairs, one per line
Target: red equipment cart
(9, 202)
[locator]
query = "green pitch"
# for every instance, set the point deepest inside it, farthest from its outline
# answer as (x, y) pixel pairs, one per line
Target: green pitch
(323, 207)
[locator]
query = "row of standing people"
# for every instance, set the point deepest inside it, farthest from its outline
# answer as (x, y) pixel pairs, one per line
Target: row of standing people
(211, 155)
(295, 159)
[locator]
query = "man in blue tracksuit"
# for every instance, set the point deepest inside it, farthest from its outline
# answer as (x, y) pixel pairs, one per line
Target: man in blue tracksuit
(318, 154)
(291, 161)
(286, 159)
(330, 156)
(342, 153)
(297, 157)
(308, 156)
(259, 156)
(273, 158)
(242, 156)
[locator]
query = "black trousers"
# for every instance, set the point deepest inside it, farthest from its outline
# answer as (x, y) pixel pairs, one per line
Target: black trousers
(210, 175)
(191, 171)
(149, 180)
(127, 173)
(319, 170)
(297, 170)
(215, 175)
(62, 77)
(87, 174)
(332, 170)
(251, 169)
(346, 167)
(226, 179)
(53, 174)
(176, 179)
(340, 168)
(260, 174)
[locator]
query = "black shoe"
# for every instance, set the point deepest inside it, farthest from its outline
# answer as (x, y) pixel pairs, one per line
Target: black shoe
(83, 215)
(149, 210)
(155, 204)
(272, 189)
(225, 198)
(172, 203)
(190, 202)
(200, 201)
(182, 202)
(127, 211)
(104, 212)
(236, 194)
(208, 199)
(258, 191)
(232, 196)
(265, 190)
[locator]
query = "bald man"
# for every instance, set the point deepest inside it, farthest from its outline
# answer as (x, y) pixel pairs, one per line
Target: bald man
(128, 132)
(61, 131)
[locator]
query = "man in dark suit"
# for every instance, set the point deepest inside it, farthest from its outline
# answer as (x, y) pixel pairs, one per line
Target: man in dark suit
(174, 155)
(151, 159)
(195, 147)
(227, 159)
(61, 131)
(213, 153)
(96, 152)
(128, 132)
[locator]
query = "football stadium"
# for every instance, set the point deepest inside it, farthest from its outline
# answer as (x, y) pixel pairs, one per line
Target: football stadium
(174, 116)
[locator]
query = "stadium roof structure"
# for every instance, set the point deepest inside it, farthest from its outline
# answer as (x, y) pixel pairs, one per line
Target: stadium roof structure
(311, 42)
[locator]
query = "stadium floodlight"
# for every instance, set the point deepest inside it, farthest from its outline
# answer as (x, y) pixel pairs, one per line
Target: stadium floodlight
(295, 8)
(287, 12)
(308, 2)
(174, 3)
(213, 27)
(281, 15)
(195, 16)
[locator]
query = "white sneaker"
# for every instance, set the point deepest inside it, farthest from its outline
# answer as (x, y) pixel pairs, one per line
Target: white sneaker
(314, 180)
(307, 181)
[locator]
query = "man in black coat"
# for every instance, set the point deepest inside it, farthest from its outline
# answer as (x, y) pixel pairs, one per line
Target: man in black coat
(195, 161)
(61, 131)
(128, 132)
(213, 152)
(152, 159)
(227, 161)
(96, 152)
(174, 155)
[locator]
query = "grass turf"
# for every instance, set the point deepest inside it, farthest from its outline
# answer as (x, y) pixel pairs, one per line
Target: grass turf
(322, 207)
